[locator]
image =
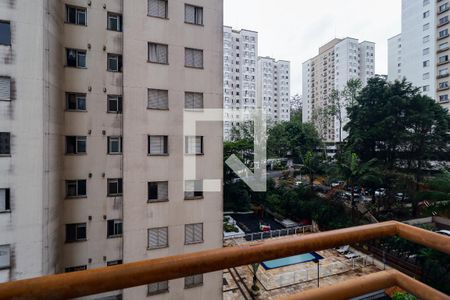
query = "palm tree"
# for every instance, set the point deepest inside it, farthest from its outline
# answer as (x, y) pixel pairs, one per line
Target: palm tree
(354, 172)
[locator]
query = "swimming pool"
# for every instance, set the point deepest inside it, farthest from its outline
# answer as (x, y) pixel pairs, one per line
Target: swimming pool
(291, 260)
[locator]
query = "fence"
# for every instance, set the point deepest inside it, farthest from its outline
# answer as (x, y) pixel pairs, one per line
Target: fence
(256, 236)
(271, 282)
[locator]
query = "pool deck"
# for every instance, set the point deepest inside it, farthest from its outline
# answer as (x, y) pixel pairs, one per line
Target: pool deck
(275, 283)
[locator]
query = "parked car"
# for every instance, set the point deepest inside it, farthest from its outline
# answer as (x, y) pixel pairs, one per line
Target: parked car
(380, 192)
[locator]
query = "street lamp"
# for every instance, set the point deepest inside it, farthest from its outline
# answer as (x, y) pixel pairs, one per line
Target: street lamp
(318, 271)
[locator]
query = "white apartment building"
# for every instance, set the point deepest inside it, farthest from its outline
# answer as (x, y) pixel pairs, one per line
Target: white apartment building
(239, 69)
(92, 96)
(395, 58)
(424, 57)
(273, 89)
(338, 61)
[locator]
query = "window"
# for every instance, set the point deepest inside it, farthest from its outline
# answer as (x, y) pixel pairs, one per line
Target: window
(426, 14)
(114, 228)
(443, 72)
(157, 8)
(443, 7)
(158, 145)
(114, 262)
(75, 269)
(114, 144)
(75, 102)
(193, 100)
(426, 88)
(114, 22)
(193, 58)
(443, 85)
(75, 188)
(426, 51)
(193, 233)
(5, 33)
(443, 33)
(193, 14)
(443, 98)
(193, 145)
(426, 39)
(76, 15)
(425, 63)
(158, 53)
(158, 99)
(443, 20)
(425, 27)
(5, 256)
(114, 187)
(158, 288)
(443, 59)
(76, 58)
(114, 104)
(193, 189)
(114, 62)
(158, 238)
(5, 88)
(158, 191)
(75, 232)
(5, 143)
(75, 145)
(193, 281)
(426, 2)
(5, 204)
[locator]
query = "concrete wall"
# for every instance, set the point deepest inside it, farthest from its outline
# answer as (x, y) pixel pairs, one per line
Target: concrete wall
(139, 168)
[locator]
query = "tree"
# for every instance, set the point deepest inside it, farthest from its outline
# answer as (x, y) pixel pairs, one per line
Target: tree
(313, 165)
(397, 125)
(341, 101)
(354, 172)
(293, 138)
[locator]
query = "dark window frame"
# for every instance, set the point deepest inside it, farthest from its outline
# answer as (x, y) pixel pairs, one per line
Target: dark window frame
(77, 142)
(119, 63)
(79, 189)
(118, 190)
(5, 149)
(70, 63)
(78, 235)
(165, 145)
(114, 228)
(8, 38)
(118, 99)
(77, 100)
(7, 204)
(119, 21)
(77, 10)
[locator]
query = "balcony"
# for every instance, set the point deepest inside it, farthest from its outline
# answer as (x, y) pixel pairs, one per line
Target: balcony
(90, 282)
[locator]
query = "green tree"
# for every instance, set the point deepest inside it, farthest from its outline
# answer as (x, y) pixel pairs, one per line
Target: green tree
(355, 172)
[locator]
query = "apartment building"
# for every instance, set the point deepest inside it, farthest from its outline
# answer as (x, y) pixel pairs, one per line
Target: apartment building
(273, 89)
(425, 50)
(338, 61)
(92, 97)
(239, 69)
(395, 58)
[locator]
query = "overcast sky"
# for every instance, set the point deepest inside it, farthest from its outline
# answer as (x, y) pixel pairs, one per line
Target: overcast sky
(295, 29)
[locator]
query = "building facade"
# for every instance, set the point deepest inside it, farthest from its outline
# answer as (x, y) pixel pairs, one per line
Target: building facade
(338, 61)
(395, 58)
(425, 50)
(239, 69)
(92, 98)
(273, 89)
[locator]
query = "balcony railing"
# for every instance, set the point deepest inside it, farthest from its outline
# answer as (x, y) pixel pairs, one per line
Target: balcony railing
(89, 282)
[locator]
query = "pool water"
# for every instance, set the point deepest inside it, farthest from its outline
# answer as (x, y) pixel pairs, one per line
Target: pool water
(291, 260)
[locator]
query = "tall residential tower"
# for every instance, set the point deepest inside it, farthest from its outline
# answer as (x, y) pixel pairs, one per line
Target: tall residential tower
(239, 67)
(425, 49)
(92, 98)
(338, 61)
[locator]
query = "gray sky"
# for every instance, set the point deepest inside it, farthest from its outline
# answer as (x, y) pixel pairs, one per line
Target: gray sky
(295, 29)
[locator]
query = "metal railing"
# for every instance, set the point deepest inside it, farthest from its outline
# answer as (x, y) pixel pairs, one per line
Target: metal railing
(90, 282)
